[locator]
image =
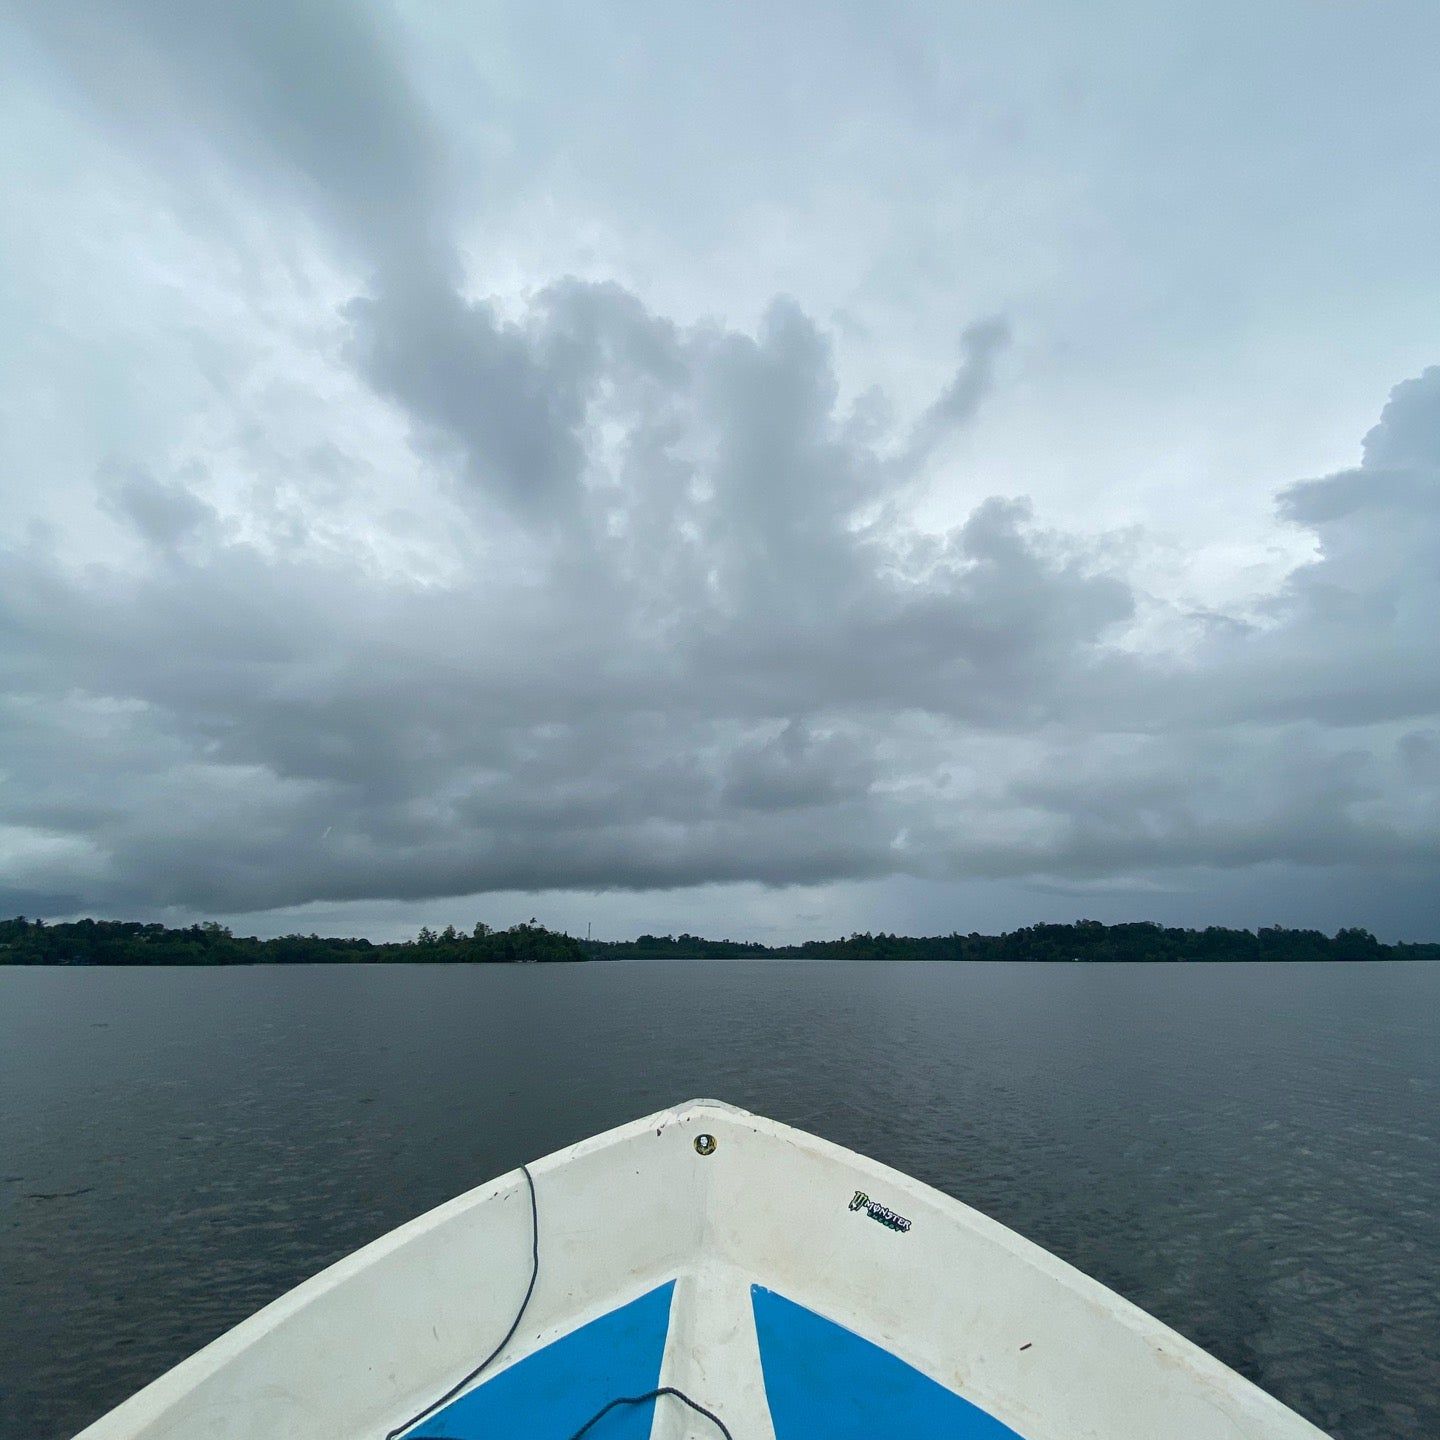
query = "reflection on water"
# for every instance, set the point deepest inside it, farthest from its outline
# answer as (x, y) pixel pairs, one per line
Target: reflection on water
(1251, 1153)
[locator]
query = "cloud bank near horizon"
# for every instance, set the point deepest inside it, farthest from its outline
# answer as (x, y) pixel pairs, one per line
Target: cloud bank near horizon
(402, 590)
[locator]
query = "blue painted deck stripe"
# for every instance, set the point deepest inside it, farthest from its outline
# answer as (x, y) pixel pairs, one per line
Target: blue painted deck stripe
(824, 1380)
(556, 1390)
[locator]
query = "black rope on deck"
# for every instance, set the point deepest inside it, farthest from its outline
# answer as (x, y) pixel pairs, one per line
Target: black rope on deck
(484, 1365)
(649, 1395)
(654, 1395)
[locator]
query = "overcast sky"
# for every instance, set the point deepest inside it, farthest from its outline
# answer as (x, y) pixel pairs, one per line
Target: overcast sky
(771, 470)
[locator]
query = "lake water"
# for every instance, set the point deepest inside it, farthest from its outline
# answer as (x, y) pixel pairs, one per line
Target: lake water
(1251, 1153)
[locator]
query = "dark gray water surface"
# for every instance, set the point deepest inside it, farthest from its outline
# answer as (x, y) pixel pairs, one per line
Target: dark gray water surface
(1251, 1153)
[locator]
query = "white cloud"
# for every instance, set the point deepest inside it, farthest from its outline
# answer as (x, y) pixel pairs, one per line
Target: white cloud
(355, 586)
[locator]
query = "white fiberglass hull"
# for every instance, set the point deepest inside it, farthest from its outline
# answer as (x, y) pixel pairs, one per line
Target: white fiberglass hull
(790, 1286)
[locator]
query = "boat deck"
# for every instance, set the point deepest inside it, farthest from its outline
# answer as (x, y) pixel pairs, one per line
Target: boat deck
(788, 1286)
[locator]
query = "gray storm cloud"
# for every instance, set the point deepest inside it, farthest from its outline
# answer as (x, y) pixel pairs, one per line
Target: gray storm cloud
(680, 629)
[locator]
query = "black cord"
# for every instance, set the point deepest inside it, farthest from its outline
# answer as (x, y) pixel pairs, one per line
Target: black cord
(599, 1415)
(480, 1369)
(654, 1395)
(455, 1389)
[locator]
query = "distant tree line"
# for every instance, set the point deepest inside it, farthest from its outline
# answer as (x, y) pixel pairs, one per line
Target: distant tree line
(124, 942)
(1085, 940)
(676, 947)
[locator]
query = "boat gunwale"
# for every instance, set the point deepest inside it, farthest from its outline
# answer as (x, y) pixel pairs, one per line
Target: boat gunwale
(151, 1402)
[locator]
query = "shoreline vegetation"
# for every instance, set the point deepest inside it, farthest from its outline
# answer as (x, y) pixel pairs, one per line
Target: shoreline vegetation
(123, 942)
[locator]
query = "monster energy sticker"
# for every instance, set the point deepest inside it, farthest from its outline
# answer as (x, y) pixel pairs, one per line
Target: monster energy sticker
(876, 1211)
